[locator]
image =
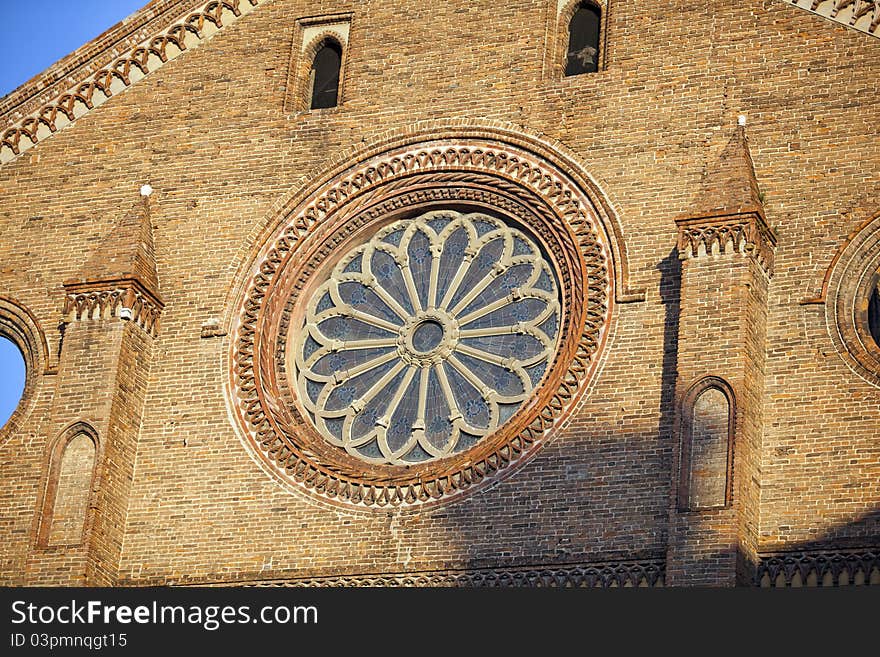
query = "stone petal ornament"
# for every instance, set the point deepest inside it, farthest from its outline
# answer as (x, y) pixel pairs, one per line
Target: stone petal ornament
(427, 337)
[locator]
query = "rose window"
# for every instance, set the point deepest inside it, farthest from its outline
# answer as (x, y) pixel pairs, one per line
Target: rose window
(426, 338)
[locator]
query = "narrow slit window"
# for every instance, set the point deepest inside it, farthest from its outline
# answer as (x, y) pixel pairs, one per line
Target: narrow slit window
(325, 75)
(583, 40)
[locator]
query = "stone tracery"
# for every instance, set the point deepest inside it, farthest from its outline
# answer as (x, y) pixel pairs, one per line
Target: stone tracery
(427, 338)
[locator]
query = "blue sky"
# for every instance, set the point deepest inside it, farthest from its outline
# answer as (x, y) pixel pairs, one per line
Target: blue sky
(37, 34)
(11, 379)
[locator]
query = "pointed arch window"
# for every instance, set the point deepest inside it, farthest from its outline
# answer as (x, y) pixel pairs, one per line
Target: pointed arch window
(69, 487)
(584, 32)
(326, 67)
(706, 446)
(874, 309)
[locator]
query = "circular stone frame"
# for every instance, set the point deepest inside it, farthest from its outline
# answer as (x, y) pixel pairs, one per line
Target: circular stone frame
(444, 313)
(472, 173)
(850, 284)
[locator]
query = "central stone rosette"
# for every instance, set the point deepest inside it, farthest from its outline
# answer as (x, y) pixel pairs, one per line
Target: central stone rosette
(427, 337)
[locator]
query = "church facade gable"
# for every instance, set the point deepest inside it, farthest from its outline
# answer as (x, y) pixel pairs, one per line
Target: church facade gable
(475, 322)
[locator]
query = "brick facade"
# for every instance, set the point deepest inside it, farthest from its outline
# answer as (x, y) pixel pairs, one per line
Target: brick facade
(722, 254)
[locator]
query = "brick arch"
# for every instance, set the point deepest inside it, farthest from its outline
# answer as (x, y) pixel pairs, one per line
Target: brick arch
(20, 326)
(559, 46)
(319, 40)
(566, 13)
(846, 290)
(302, 83)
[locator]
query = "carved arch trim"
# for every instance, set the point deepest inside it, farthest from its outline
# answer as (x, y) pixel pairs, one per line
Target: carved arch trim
(845, 293)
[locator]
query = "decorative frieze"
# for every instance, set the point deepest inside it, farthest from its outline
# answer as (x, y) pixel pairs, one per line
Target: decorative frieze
(746, 233)
(607, 575)
(862, 15)
(819, 569)
(126, 299)
(149, 55)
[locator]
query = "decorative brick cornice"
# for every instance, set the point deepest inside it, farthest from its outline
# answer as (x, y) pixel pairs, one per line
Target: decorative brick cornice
(819, 569)
(108, 299)
(861, 15)
(81, 63)
(745, 233)
(120, 73)
(583, 575)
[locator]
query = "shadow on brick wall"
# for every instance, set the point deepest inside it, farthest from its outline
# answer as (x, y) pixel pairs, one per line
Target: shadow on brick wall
(670, 297)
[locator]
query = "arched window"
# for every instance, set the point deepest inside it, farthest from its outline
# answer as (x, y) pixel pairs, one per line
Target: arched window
(707, 441)
(12, 381)
(325, 75)
(874, 310)
(69, 487)
(583, 40)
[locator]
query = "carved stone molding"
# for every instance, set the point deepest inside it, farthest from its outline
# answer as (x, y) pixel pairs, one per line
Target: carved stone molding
(819, 569)
(586, 575)
(311, 34)
(861, 15)
(109, 299)
(746, 233)
(476, 174)
(152, 53)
